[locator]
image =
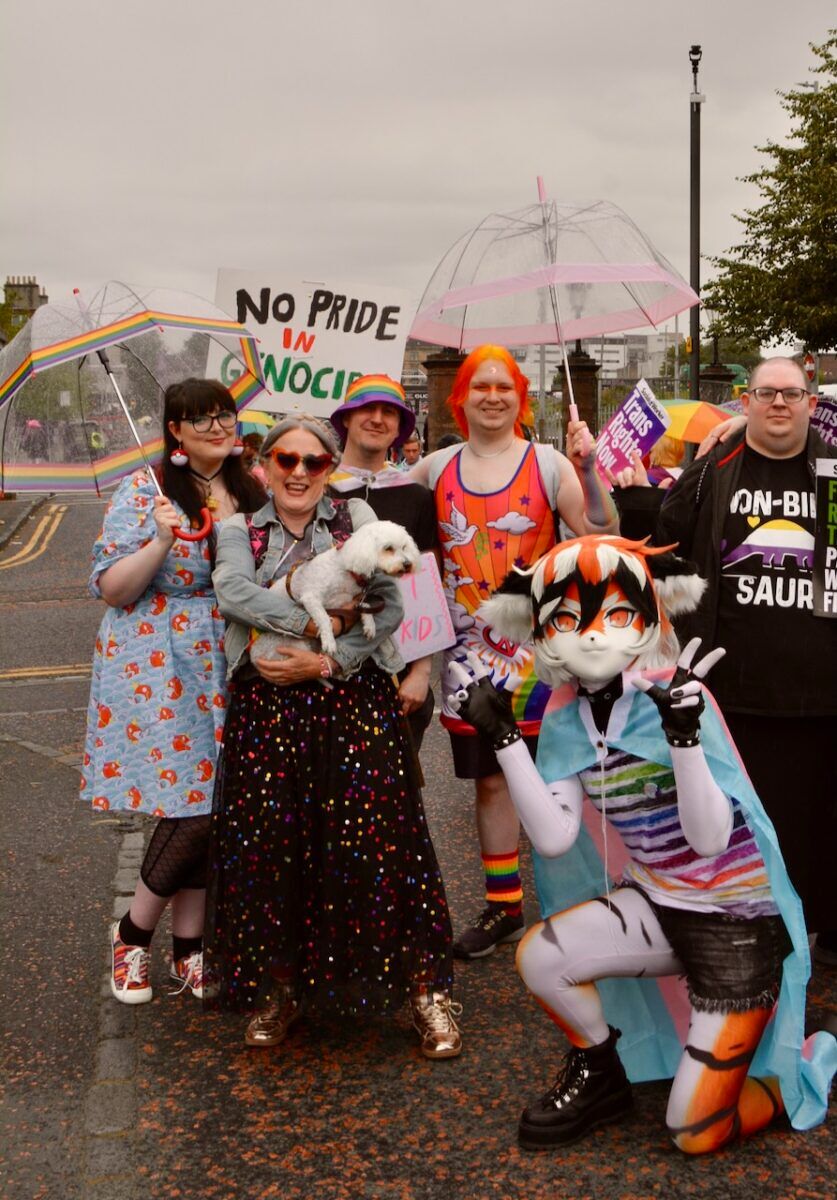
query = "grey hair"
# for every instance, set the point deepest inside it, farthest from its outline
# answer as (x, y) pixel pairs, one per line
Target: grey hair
(320, 429)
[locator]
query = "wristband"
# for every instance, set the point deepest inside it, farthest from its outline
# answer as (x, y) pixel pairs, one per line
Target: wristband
(682, 741)
(507, 739)
(325, 667)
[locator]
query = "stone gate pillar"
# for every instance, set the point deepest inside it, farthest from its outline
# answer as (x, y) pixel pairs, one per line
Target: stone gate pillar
(585, 372)
(441, 369)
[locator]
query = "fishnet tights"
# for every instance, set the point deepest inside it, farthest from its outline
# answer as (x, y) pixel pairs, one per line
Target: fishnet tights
(176, 855)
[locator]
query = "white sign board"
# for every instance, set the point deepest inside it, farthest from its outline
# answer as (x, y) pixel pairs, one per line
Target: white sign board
(315, 338)
(427, 626)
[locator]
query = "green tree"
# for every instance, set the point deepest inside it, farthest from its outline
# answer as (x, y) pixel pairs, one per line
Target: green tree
(6, 325)
(730, 350)
(780, 283)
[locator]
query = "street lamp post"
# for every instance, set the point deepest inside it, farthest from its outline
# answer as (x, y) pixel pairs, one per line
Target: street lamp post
(695, 101)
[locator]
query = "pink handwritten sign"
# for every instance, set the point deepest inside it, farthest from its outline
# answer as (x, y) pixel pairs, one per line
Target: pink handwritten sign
(427, 626)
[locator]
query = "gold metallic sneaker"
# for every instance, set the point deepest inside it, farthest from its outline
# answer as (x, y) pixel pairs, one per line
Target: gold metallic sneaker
(270, 1026)
(434, 1016)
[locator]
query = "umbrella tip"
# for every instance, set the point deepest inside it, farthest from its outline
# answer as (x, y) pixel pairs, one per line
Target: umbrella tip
(541, 189)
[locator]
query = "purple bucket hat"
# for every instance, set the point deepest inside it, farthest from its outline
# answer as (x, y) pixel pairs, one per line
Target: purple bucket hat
(375, 389)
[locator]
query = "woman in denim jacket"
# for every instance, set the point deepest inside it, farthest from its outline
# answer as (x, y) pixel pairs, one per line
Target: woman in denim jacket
(325, 891)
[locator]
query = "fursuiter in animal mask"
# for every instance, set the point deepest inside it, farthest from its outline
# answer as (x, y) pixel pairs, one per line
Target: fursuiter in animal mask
(704, 892)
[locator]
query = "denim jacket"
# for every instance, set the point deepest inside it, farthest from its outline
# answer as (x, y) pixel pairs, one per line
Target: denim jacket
(245, 602)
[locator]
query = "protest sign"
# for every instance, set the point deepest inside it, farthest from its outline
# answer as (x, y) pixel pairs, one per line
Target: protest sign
(314, 338)
(825, 540)
(427, 626)
(637, 424)
(824, 419)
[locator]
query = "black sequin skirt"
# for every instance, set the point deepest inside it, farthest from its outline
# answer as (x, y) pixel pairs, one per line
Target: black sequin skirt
(322, 876)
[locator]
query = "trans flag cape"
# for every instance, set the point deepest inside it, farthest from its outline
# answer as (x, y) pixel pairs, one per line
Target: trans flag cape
(653, 1014)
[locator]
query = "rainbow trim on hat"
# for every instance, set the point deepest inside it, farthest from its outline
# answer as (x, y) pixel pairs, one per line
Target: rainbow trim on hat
(369, 388)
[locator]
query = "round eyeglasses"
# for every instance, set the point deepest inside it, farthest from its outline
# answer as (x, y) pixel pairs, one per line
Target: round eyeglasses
(204, 422)
(765, 395)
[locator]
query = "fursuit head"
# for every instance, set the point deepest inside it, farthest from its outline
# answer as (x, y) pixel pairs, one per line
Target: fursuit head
(337, 578)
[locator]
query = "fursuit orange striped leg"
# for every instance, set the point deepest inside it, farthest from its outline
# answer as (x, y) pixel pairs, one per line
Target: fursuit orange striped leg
(712, 1101)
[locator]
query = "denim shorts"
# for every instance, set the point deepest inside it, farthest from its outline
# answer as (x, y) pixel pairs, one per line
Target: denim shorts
(732, 964)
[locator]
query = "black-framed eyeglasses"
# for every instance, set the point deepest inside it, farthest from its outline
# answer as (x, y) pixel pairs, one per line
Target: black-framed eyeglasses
(314, 464)
(204, 422)
(765, 395)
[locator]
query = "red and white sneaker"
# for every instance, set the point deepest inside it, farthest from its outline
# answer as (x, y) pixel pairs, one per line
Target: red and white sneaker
(188, 972)
(128, 970)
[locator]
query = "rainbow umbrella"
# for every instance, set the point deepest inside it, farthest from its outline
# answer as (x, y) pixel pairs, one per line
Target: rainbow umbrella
(691, 420)
(69, 361)
(254, 421)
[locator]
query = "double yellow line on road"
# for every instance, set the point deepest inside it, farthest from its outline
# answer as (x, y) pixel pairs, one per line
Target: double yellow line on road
(42, 535)
(45, 673)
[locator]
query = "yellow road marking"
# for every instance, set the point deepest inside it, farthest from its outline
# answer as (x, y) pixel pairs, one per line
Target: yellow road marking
(45, 672)
(40, 539)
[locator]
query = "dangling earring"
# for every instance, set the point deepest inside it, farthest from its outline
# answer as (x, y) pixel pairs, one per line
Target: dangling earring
(177, 458)
(238, 448)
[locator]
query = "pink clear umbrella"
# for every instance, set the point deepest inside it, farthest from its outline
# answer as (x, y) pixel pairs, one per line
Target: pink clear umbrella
(549, 273)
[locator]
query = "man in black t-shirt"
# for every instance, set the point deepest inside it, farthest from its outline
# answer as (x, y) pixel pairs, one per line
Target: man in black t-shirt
(375, 419)
(746, 515)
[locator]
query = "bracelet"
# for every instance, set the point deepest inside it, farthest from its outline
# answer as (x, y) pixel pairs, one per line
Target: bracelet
(325, 667)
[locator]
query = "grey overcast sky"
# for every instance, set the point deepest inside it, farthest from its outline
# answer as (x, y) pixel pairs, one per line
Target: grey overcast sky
(154, 143)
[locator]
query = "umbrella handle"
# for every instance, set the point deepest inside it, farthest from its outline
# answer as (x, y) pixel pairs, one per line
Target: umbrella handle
(575, 417)
(196, 535)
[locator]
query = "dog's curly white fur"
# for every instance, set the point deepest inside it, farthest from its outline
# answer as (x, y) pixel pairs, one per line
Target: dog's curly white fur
(337, 577)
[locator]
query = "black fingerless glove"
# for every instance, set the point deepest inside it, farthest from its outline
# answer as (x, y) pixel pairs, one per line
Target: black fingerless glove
(489, 711)
(680, 725)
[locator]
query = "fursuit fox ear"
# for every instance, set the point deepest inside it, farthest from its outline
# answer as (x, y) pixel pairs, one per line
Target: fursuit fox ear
(677, 583)
(509, 610)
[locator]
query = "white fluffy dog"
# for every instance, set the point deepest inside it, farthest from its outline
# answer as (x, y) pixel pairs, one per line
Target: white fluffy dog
(337, 577)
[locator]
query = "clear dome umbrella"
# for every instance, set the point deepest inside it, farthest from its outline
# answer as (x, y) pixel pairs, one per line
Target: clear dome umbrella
(549, 274)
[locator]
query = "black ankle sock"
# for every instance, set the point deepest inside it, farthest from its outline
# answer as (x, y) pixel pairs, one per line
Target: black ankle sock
(132, 935)
(182, 946)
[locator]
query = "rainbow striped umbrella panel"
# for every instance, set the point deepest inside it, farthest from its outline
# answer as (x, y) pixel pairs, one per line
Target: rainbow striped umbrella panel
(61, 426)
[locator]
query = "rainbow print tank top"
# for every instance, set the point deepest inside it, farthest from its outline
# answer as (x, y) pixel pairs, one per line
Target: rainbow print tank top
(484, 535)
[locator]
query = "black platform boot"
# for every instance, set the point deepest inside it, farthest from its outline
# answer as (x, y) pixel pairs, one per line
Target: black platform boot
(592, 1089)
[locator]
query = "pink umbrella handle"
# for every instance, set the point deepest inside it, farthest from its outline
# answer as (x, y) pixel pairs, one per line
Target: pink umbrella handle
(575, 417)
(196, 535)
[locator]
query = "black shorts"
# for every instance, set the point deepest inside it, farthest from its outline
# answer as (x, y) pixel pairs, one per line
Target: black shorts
(474, 757)
(732, 964)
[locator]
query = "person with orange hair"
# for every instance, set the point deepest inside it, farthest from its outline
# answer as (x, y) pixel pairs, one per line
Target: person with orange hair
(498, 500)
(703, 892)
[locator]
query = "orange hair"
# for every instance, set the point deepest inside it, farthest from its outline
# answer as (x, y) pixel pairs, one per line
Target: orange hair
(462, 383)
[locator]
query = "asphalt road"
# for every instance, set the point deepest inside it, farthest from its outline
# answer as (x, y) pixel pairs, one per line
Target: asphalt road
(104, 1101)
